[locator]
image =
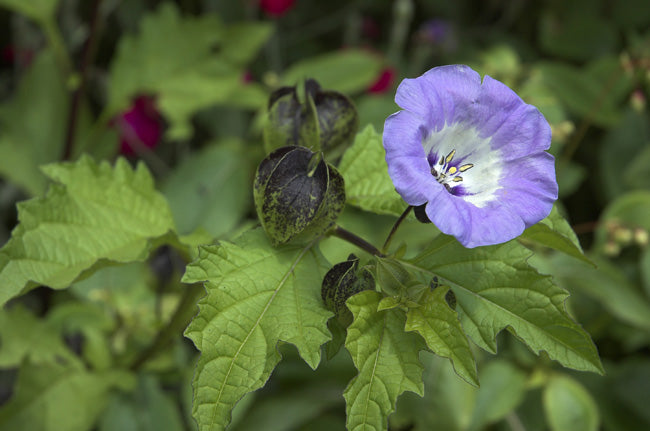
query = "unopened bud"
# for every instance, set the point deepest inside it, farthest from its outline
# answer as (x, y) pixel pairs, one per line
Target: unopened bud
(641, 237)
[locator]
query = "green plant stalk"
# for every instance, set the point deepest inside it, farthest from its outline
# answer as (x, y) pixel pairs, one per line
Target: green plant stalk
(354, 239)
(397, 224)
(55, 40)
(185, 311)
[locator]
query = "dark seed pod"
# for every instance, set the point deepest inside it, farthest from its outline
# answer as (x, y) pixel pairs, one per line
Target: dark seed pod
(297, 195)
(343, 281)
(325, 120)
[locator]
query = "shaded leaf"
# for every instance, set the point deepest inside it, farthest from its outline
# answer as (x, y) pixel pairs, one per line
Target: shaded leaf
(38, 10)
(92, 212)
(53, 397)
(496, 288)
(387, 360)
(346, 71)
(569, 406)
(367, 184)
(555, 232)
(257, 295)
(438, 324)
(208, 190)
(33, 125)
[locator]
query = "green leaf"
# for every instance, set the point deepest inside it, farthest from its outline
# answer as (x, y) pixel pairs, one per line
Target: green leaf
(92, 212)
(33, 125)
(173, 57)
(54, 397)
(607, 284)
(38, 10)
(241, 41)
(387, 360)
(256, 297)
(367, 184)
(149, 408)
(25, 337)
(569, 406)
(503, 387)
(555, 232)
(346, 71)
(496, 288)
(208, 190)
(287, 411)
(583, 93)
(438, 324)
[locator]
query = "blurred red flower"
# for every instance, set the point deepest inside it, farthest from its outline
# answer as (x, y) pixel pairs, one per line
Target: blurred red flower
(384, 82)
(276, 7)
(140, 126)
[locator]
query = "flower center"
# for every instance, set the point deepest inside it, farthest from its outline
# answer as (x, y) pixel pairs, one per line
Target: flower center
(447, 172)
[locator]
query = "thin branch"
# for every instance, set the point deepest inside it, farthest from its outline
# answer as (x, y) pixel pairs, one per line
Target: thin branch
(348, 236)
(395, 226)
(75, 104)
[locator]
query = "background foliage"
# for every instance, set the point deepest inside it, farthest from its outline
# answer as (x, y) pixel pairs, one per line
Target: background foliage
(129, 135)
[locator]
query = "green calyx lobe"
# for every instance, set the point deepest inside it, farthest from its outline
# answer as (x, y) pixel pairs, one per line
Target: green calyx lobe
(298, 196)
(341, 282)
(318, 119)
(398, 283)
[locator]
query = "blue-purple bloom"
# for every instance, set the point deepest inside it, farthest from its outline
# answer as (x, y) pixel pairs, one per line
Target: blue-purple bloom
(473, 152)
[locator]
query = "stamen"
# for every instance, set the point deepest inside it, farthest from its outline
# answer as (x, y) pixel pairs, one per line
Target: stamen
(442, 160)
(466, 167)
(450, 156)
(452, 170)
(457, 179)
(434, 172)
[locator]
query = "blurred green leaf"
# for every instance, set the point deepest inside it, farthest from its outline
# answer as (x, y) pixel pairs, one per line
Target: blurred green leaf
(209, 189)
(569, 406)
(54, 397)
(576, 32)
(555, 232)
(512, 296)
(607, 284)
(621, 158)
(287, 411)
(149, 408)
(584, 94)
(503, 387)
(38, 10)
(367, 184)
(241, 41)
(33, 125)
(23, 336)
(173, 57)
(348, 71)
(387, 360)
(257, 296)
(93, 212)
(438, 324)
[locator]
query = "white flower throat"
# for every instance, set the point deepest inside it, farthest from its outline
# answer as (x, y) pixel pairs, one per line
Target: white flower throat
(464, 163)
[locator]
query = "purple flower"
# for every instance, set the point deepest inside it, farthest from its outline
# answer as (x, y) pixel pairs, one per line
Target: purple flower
(473, 152)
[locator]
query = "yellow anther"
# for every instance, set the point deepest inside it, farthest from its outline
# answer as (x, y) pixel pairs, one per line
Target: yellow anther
(457, 179)
(452, 170)
(450, 156)
(466, 167)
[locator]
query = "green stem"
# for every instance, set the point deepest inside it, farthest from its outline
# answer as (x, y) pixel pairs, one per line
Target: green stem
(352, 238)
(55, 40)
(395, 226)
(403, 12)
(185, 310)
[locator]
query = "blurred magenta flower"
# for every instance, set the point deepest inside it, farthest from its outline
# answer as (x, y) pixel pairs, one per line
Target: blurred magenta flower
(276, 7)
(140, 126)
(473, 152)
(384, 82)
